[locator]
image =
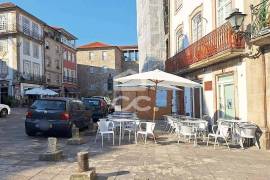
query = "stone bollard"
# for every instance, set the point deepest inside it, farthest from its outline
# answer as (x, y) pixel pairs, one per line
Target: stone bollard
(76, 139)
(85, 173)
(52, 153)
(83, 163)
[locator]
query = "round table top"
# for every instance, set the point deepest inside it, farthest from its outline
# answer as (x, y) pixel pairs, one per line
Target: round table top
(231, 120)
(123, 120)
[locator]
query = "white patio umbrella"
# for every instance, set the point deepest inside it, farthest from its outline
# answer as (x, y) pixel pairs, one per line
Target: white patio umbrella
(142, 86)
(40, 91)
(158, 77)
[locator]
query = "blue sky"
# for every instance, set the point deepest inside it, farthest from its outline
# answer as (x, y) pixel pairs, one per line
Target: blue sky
(109, 21)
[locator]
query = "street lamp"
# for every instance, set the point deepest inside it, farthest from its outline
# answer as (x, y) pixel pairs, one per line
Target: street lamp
(236, 19)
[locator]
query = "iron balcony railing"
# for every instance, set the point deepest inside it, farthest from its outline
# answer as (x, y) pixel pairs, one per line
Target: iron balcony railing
(260, 19)
(32, 78)
(8, 28)
(14, 28)
(217, 41)
(69, 79)
(34, 34)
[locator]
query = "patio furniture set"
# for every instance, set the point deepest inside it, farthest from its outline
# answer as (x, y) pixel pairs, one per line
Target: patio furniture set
(122, 123)
(230, 130)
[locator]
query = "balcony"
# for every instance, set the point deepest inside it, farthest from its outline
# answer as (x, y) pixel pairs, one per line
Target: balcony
(67, 79)
(217, 46)
(260, 23)
(14, 28)
(7, 29)
(32, 34)
(31, 78)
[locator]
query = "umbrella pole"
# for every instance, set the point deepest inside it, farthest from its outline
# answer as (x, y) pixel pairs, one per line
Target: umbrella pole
(154, 108)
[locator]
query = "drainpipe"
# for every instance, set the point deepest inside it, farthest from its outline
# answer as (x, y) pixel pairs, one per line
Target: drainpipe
(265, 91)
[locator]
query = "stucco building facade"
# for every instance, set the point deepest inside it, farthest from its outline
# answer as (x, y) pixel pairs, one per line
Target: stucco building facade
(233, 69)
(22, 55)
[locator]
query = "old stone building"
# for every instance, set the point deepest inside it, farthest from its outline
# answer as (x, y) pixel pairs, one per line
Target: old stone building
(98, 63)
(53, 59)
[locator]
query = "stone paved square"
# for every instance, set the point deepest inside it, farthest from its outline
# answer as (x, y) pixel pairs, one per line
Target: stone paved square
(164, 160)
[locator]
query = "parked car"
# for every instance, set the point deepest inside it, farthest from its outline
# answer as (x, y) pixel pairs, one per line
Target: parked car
(108, 101)
(56, 116)
(98, 106)
(4, 110)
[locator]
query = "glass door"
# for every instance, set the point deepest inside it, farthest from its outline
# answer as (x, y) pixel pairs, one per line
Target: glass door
(226, 107)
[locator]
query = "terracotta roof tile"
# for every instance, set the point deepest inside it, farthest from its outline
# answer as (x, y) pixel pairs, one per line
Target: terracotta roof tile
(94, 45)
(6, 4)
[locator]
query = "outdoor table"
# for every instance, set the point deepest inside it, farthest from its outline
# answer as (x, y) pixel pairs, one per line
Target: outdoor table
(233, 122)
(120, 121)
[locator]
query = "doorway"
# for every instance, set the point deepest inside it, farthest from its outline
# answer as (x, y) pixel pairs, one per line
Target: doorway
(226, 101)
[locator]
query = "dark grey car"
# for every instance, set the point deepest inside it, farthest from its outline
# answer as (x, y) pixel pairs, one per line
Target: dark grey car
(56, 116)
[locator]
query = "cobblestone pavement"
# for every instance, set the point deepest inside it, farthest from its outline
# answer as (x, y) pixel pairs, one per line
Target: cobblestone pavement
(164, 160)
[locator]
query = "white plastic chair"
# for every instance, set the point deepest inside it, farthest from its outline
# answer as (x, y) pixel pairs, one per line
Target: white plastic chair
(202, 129)
(246, 133)
(190, 131)
(130, 127)
(150, 126)
(104, 128)
(221, 132)
(171, 124)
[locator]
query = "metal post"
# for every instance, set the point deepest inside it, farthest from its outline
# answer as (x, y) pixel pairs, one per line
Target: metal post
(193, 102)
(201, 102)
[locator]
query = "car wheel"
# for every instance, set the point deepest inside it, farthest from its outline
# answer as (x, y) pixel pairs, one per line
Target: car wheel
(3, 113)
(30, 133)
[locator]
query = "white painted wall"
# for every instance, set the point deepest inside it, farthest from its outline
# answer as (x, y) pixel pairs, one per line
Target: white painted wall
(182, 18)
(208, 96)
(242, 90)
(30, 58)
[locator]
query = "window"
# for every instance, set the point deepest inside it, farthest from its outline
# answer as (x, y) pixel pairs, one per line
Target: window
(179, 39)
(127, 56)
(26, 25)
(35, 50)
(3, 47)
(26, 67)
(3, 69)
(91, 69)
(104, 55)
(57, 63)
(36, 69)
(73, 57)
(47, 44)
(65, 55)
(105, 86)
(72, 74)
(69, 56)
(105, 69)
(57, 49)
(26, 47)
(91, 55)
(197, 27)
(224, 8)
(65, 72)
(178, 4)
(92, 87)
(35, 30)
(49, 61)
(3, 22)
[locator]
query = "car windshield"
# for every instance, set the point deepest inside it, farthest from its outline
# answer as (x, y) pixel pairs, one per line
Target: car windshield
(49, 105)
(91, 102)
